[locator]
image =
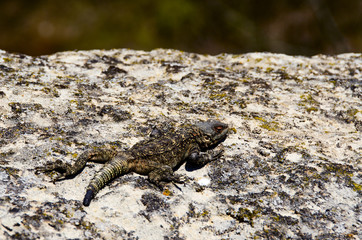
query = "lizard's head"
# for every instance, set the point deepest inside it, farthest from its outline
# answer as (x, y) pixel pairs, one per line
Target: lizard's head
(212, 132)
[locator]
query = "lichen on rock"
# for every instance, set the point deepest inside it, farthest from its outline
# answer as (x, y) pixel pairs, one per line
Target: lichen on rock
(291, 169)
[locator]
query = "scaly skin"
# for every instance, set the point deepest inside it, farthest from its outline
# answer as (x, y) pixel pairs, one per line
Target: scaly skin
(156, 157)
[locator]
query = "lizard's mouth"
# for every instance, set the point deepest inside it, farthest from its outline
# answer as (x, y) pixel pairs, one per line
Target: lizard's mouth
(223, 134)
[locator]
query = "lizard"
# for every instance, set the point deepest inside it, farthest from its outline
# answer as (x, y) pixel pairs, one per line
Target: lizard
(156, 157)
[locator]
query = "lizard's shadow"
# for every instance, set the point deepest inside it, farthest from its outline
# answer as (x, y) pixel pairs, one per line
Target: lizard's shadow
(190, 167)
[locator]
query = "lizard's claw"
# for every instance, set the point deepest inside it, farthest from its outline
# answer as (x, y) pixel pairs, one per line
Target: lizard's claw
(50, 166)
(215, 155)
(178, 178)
(159, 185)
(175, 178)
(54, 175)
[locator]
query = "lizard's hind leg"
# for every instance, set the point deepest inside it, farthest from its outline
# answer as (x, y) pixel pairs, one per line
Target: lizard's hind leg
(70, 169)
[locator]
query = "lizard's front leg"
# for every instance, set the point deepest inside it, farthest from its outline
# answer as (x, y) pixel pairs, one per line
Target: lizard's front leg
(163, 174)
(199, 158)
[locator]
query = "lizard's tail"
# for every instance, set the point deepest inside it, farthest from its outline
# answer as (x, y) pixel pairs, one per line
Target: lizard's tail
(112, 169)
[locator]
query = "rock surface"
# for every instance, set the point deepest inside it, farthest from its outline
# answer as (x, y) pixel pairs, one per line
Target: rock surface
(292, 169)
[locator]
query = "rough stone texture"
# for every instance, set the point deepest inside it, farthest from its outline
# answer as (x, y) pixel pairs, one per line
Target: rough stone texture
(291, 170)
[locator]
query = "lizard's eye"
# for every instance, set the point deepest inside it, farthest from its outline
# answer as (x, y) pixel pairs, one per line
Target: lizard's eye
(218, 129)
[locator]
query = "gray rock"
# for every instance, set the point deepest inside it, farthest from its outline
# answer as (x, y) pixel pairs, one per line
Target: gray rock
(291, 170)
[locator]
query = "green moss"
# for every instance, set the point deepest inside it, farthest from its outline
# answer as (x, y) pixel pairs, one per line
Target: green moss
(52, 91)
(308, 98)
(311, 109)
(239, 102)
(182, 105)
(78, 93)
(7, 60)
(12, 171)
(60, 221)
(205, 213)
(343, 172)
(67, 213)
(6, 154)
(217, 96)
(308, 103)
(269, 70)
(86, 225)
(260, 119)
(356, 187)
(352, 112)
(244, 215)
(338, 170)
(233, 129)
(46, 90)
(15, 107)
(268, 125)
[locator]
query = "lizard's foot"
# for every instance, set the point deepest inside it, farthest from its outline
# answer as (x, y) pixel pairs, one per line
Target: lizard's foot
(200, 159)
(160, 181)
(58, 169)
(161, 176)
(178, 178)
(213, 155)
(159, 185)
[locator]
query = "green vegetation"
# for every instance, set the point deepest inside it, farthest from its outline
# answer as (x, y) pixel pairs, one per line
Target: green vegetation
(196, 26)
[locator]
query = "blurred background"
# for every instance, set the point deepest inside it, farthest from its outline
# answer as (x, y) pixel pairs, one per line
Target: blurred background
(297, 27)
